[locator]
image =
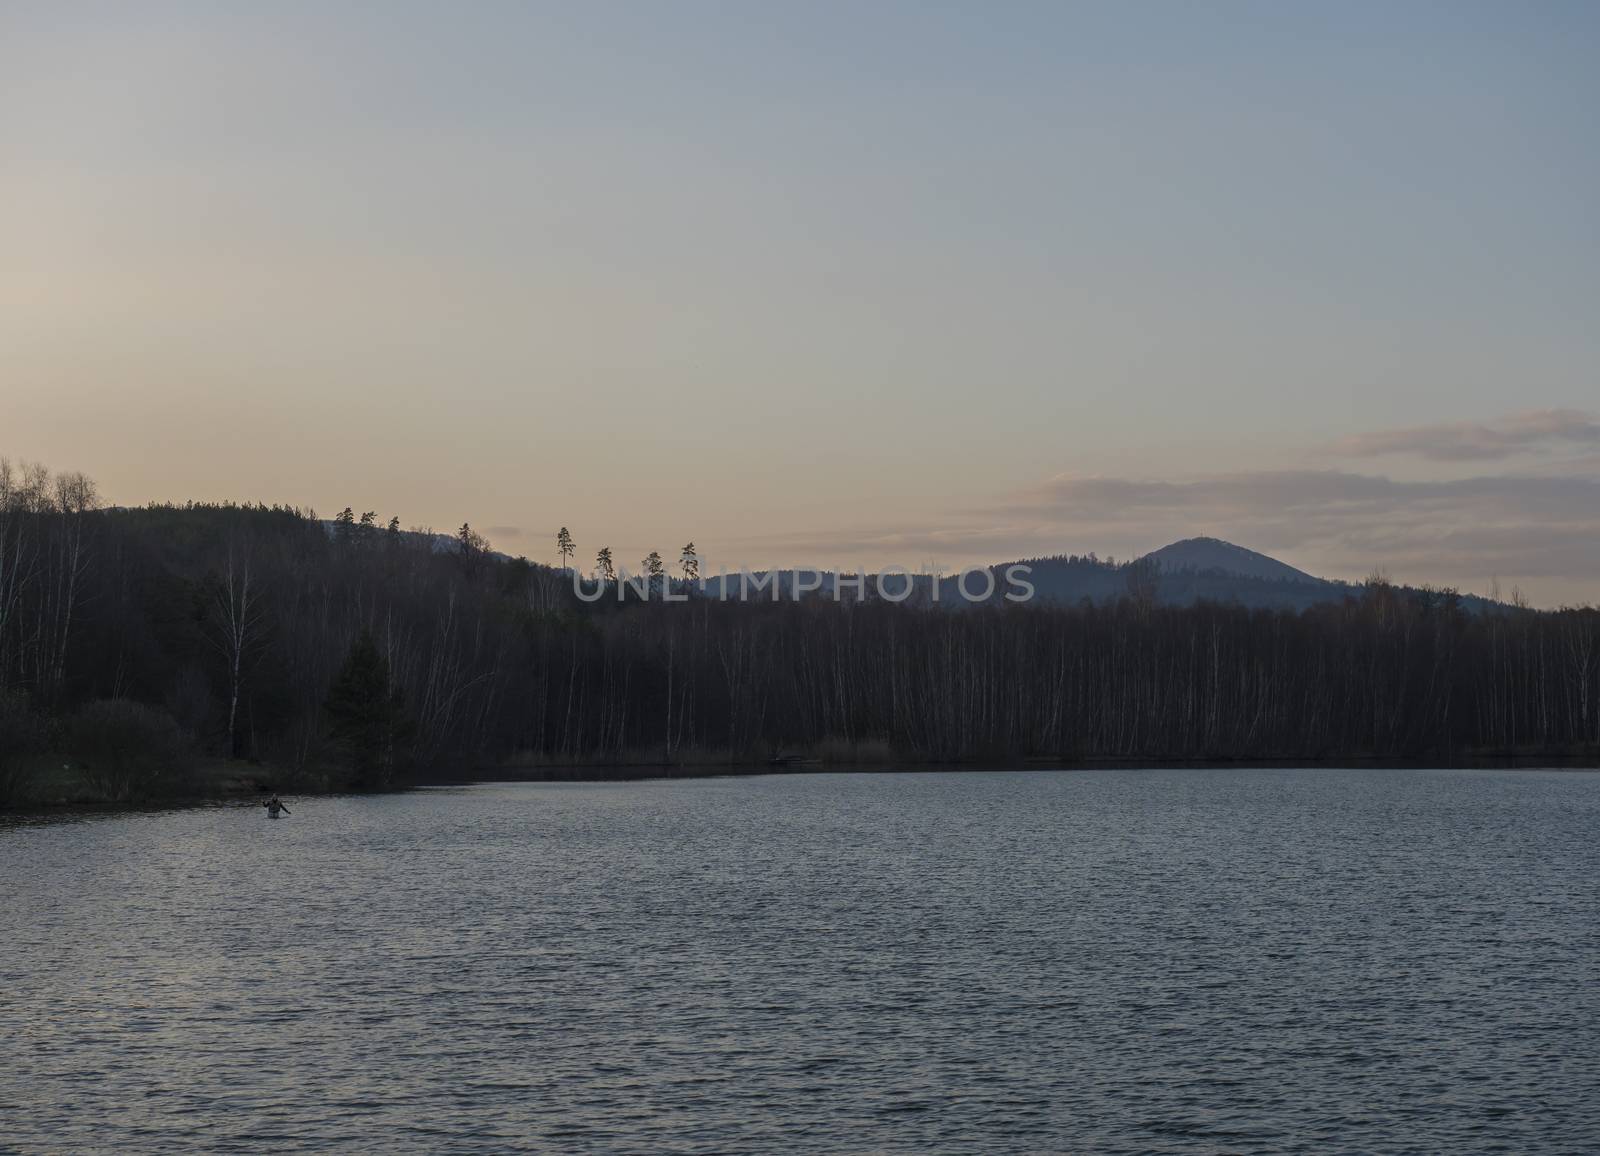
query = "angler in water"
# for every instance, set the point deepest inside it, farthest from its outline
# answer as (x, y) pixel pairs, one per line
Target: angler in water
(274, 806)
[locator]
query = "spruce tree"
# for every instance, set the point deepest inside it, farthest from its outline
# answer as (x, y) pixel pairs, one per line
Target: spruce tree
(363, 710)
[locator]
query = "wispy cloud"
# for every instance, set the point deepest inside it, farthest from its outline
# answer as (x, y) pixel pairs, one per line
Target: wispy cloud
(1540, 530)
(1530, 431)
(1527, 512)
(1460, 531)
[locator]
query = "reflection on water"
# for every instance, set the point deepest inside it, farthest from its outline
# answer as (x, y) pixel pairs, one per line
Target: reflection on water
(1119, 961)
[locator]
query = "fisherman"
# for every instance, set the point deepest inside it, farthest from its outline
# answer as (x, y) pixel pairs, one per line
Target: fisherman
(274, 805)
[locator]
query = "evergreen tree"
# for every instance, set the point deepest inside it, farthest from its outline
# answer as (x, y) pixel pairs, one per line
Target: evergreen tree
(654, 569)
(607, 568)
(690, 561)
(564, 545)
(363, 710)
(471, 546)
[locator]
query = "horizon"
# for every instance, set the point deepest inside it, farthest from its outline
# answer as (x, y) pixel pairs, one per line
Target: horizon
(712, 568)
(1495, 591)
(902, 287)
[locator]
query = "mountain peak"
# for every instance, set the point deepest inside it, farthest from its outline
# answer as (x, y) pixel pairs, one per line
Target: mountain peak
(1213, 554)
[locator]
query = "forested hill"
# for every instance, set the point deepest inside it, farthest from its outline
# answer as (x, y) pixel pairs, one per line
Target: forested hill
(1200, 570)
(1213, 554)
(1180, 574)
(367, 654)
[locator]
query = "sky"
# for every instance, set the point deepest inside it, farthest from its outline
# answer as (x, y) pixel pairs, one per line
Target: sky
(825, 284)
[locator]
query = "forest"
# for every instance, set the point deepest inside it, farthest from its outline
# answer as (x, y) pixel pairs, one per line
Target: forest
(138, 644)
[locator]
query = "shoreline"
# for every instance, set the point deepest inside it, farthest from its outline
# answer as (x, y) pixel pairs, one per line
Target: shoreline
(633, 772)
(237, 788)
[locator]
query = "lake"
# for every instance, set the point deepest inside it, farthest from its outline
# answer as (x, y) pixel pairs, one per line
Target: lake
(1239, 960)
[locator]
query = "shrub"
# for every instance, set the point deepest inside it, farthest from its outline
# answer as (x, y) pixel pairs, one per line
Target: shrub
(838, 750)
(364, 715)
(131, 751)
(21, 737)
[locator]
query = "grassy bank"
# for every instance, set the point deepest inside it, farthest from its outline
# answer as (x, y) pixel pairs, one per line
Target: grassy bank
(700, 762)
(47, 783)
(862, 753)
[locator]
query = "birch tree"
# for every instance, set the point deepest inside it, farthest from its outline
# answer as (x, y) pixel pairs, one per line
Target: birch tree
(237, 628)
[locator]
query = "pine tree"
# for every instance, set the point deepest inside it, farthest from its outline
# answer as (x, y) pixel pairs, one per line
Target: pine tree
(608, 569)
(363, 710)
(690, 561)
(564, 546)
(654, 568)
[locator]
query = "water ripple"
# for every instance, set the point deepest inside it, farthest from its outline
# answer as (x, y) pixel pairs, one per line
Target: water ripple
(1121, 961)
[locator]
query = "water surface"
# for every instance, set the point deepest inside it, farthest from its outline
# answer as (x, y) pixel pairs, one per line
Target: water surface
(1115, 961)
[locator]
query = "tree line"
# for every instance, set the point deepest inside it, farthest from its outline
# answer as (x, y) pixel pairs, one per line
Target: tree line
(357, 654)
(652, 567)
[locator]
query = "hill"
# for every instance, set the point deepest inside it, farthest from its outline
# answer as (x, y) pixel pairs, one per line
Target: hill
(1204, 555)
(1182, 573)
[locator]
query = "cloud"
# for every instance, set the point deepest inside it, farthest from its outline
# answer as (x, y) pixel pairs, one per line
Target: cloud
(498, 532)
(1539, 530)
(1302, 494)
(1530, 431)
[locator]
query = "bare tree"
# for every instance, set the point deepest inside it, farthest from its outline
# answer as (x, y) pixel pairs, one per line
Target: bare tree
(1581, 633)
(20, 497)
(237, 630)
(70, 502)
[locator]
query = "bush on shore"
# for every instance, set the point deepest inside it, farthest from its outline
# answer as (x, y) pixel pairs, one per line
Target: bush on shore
(131, 751)
(22, 735)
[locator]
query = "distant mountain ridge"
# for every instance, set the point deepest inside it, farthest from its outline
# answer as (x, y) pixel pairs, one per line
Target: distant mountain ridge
(1182, 573)
(1196, 570)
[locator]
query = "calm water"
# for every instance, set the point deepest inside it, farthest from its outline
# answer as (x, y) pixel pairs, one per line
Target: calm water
(1115, 961)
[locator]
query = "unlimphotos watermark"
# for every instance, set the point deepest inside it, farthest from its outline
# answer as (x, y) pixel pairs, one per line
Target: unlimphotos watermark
(890, 584)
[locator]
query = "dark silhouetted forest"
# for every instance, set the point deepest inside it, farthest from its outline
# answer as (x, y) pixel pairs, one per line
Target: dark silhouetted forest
(133, 641)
